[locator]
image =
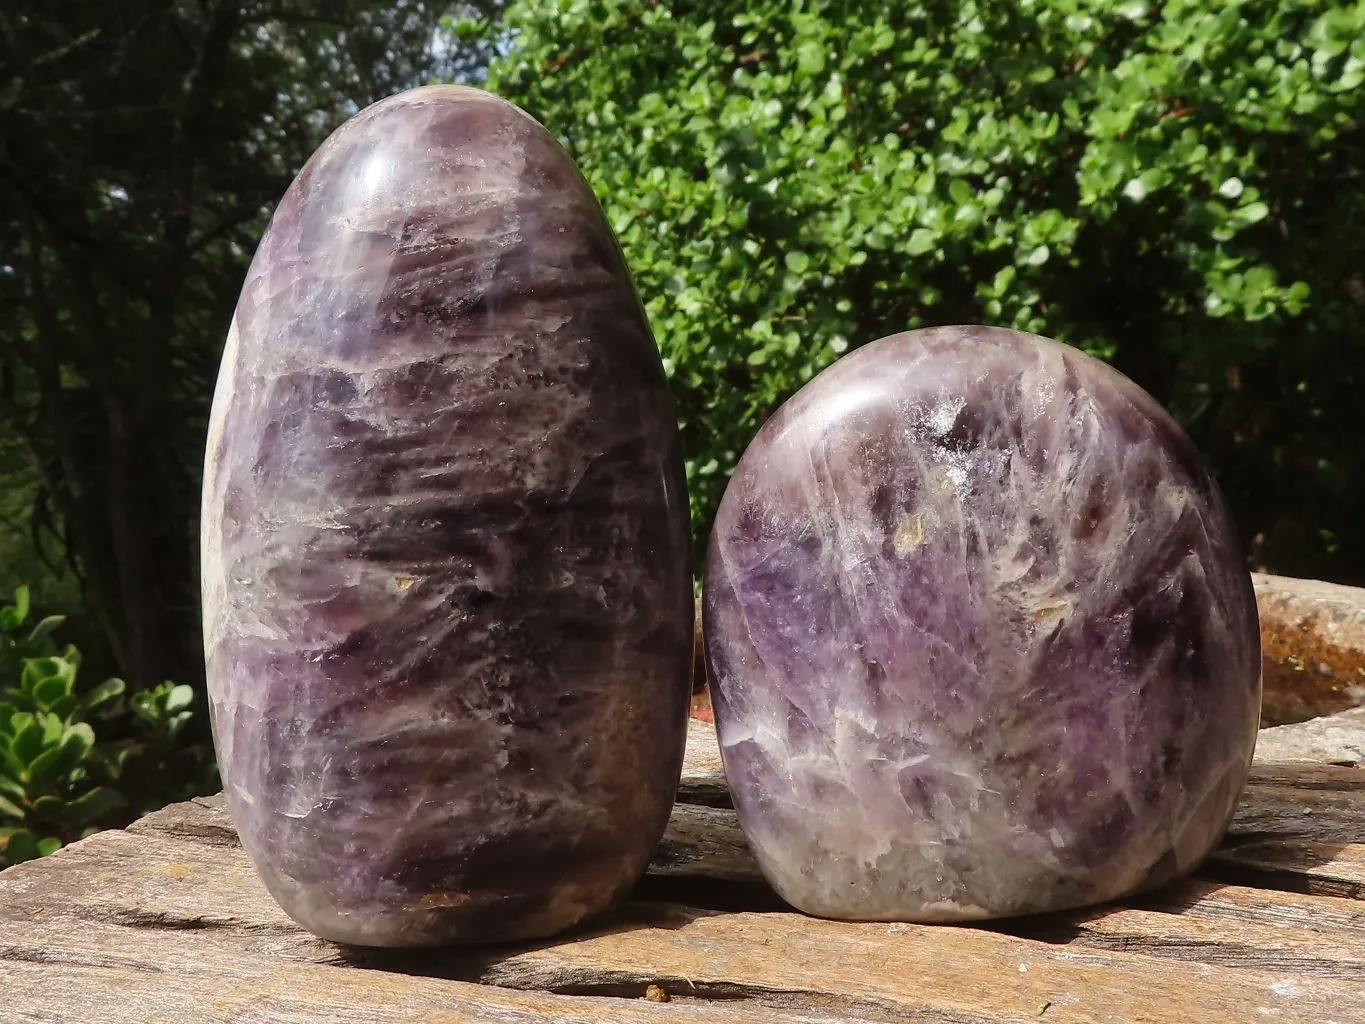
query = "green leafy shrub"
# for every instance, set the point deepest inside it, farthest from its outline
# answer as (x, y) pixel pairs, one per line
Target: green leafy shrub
(58, 780)
(1175, 187)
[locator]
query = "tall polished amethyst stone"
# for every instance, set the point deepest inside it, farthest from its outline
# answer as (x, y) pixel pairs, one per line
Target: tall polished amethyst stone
(979, 635)
(447, 594)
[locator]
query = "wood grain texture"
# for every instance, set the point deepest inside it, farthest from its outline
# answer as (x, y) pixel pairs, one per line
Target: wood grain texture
(166, 921)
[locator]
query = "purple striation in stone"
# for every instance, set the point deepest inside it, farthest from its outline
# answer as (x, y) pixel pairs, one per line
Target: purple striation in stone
(979, 635)
(447, 590)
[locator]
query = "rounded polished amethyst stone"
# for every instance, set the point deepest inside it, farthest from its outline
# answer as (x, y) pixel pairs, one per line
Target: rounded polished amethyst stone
(447, 591)
(979, 635)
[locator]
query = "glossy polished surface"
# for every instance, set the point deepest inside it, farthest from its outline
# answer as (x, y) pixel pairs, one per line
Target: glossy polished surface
(447, 588)
(979, 634)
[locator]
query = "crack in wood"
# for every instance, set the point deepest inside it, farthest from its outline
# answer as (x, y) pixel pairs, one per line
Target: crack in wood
(69, 958)
(620, 984)
(1200, 951)
(706, 796)
(137, 917)
(1282, 879)
(208, 835)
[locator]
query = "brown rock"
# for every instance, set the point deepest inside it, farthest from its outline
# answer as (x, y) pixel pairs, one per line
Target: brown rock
(1312, 647)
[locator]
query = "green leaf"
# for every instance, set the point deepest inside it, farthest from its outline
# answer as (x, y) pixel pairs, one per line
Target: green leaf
(47, 847)
(78, 741)
(21, 703)
(116, 760)
(12, 789)
(47, 691)
(797, 262)
(1296, 298)
(49, 808)
(143, 705)
(10, 765)
(46, 769)
(960, 191)
(28, 742)
(102, 694)
(13, 616)
(21, 846)
(1257, 281)
(1253, 212)
(95, 805)
(1231, 188)
(922, 240)
(38, 669)
(53, 727)
(8, 809)
(44, 628)
(810, 58)
(57, 760)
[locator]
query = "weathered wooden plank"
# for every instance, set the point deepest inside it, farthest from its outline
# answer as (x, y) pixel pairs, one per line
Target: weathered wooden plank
(921, 969)
(156, 916)
(1332, 777)
(1306, 865)
(160, 899)
(1338, 919)
(703, 775)
(1221, 925)
(144, 907)
(1303, 802)
(104, 976)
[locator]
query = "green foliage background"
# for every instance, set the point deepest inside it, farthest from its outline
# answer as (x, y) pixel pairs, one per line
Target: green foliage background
(1174, 187)
(75, 758)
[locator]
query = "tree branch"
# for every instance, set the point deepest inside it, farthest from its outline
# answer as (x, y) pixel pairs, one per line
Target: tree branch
(230, 221)
(65, 48)
(185, 146)
(72, 233)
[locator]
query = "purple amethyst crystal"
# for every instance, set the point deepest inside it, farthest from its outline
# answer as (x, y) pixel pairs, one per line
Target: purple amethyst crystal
(979, 634)
(447, 590)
